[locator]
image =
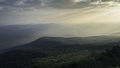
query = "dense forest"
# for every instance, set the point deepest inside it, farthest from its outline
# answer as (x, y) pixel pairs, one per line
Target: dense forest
(51, 52)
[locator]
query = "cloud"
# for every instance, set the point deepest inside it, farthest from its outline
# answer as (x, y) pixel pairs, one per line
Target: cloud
(1, 8)
(69, 3)
(14, 5)
(20, 3)
(1, 0)
(62, 2)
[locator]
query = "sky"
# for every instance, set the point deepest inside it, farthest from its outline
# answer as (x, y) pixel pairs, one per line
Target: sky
(57, 11)
(37, 11)
(56, 18)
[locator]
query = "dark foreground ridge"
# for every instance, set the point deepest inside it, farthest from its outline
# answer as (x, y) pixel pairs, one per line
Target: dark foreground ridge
(58, 52)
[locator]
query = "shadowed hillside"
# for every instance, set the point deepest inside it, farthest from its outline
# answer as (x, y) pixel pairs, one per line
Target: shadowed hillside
(59, 52)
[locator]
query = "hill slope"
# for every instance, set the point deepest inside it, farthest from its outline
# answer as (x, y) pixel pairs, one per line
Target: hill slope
(54, 52)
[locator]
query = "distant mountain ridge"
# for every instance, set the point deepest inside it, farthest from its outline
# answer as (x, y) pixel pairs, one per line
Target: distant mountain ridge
(14, 35)
(50, 42)
(80, 40)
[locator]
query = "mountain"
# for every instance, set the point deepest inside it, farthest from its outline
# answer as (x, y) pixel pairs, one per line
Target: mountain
(54, 52)
(107, 59)
(115, 34)
(80, 40)
(14, 35)
(61, 45)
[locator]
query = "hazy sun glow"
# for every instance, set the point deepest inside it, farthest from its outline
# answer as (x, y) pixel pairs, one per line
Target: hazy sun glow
(107, 14)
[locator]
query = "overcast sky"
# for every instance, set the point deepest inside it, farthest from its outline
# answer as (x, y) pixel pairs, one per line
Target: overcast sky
(56, 11)
(33, 11)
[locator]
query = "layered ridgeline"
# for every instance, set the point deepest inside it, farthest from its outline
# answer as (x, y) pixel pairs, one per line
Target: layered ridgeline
(59, 52)
(14, 35)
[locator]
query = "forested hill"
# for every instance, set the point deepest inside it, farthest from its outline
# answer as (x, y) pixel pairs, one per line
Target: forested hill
(59, 52)
(19, 59)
